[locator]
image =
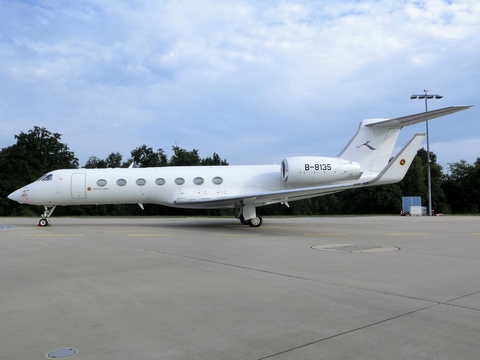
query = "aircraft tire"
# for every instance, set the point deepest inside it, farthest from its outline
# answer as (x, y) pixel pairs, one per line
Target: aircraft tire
(256, 221)
(43, 222)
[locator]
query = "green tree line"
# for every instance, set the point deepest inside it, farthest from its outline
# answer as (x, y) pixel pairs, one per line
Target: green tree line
(39, 151)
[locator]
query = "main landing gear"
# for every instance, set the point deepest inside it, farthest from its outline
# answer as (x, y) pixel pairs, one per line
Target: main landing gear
(248, 216)
(46, 214)
(256, 221)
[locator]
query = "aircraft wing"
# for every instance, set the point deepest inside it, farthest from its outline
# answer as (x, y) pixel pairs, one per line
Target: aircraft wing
(417, 118)
(260, 198)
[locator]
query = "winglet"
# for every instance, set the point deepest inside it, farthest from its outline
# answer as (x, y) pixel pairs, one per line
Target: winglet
(397, 167)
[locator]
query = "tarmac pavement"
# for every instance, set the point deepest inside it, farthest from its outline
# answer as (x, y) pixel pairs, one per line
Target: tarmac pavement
(386, 287)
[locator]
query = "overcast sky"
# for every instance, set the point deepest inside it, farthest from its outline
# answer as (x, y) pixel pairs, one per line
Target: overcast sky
(255, 81)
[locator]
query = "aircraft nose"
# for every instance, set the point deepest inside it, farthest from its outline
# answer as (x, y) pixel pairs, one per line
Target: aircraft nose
(19, 196)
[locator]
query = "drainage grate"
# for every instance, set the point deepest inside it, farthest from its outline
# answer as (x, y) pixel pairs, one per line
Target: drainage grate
(61, 353)
(355, 248)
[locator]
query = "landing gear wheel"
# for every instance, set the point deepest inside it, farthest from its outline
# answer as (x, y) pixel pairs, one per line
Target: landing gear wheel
(256, 221)
(46, 214)
(243, 221)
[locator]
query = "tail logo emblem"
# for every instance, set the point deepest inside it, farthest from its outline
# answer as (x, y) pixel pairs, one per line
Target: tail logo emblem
(403, 162)
(367, 144)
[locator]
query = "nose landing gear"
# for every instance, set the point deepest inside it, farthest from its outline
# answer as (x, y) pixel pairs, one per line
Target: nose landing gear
(46, 214)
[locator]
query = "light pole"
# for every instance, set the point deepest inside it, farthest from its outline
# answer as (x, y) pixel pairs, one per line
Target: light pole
(426, 97)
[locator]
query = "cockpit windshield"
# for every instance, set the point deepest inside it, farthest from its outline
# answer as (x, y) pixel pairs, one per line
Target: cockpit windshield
(46, 177)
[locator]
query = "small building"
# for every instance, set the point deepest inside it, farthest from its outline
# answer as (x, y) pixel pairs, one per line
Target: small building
(412, 205)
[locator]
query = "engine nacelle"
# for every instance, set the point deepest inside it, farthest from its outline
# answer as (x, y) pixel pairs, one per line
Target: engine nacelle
(315, 170)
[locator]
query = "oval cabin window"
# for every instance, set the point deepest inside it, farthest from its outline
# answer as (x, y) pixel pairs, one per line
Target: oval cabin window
(140, 182)
(198, 181)
(179, 181)
(121, 182)
(217, 180)
(101, 182)
(160, 181)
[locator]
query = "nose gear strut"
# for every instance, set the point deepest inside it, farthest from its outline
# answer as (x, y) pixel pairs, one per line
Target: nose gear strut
(46, 214)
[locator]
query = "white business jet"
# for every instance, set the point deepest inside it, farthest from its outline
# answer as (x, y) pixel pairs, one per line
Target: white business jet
(365, 161)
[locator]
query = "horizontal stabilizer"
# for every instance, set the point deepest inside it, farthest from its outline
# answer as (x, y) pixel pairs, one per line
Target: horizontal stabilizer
(417, 118)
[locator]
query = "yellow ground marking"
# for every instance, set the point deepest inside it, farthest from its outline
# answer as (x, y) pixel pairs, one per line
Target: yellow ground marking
(246, 234)
(55, 235)
(325, 234)
(149, 235)
(408, 234)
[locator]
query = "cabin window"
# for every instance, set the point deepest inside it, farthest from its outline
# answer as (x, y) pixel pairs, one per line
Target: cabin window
(141, 182)
(198, 181)
(121, 182)
(101, 182)
(179, 181)
(160, 181)
(217, 180)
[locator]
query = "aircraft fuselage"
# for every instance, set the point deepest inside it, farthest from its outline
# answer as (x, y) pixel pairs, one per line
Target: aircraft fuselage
(148, 185)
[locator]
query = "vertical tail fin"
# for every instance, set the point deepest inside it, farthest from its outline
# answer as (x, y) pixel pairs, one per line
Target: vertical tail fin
(373, 144)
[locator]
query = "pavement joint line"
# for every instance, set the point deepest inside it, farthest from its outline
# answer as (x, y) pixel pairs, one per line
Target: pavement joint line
(349, 331)
(279, 274)
(447, 302)
(461, 307)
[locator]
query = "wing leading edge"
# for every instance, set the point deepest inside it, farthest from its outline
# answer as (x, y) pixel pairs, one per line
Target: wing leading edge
(418, 118)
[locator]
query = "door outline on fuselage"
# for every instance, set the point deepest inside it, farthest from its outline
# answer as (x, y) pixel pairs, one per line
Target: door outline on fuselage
(78, 186)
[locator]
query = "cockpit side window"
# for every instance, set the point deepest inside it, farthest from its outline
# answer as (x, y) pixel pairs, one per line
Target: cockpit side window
(47, 177)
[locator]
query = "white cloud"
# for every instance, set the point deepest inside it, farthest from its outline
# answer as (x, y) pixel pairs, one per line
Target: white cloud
(249, 80)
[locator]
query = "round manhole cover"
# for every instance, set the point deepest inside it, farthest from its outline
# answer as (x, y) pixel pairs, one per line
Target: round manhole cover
(355, 248)
(61, 353)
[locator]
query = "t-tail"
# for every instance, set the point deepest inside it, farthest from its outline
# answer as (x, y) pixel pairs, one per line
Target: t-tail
(373, 144)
